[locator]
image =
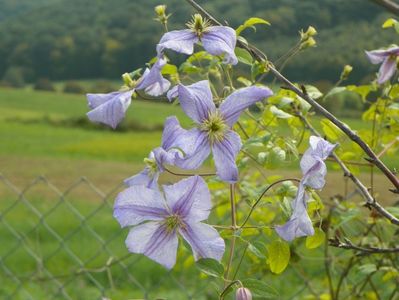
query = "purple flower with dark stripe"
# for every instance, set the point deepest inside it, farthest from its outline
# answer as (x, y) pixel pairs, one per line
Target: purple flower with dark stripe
(314, 171)
(166, 154)
(387, 59)
(110, 108)
(213, 126)
(216, 40)
(158, 218)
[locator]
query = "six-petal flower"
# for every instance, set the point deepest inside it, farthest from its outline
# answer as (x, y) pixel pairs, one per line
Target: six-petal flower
(159, 218)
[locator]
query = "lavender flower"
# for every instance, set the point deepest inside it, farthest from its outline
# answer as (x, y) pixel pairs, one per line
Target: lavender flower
(110, 108)
(213, 126)
(159, 217)
(387, 59)
(216, 40)
(314, 171)
(166, 154)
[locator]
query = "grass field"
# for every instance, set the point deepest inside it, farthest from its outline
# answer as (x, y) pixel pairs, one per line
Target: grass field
(39, 137)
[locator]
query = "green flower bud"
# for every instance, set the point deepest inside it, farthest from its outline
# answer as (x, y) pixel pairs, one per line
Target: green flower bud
(160, 10)
(127, 79)
(346, 71)
(311, 31)
(310, 42)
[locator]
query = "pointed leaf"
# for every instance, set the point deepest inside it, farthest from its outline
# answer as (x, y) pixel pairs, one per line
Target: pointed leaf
(210, 267)
(279, 256)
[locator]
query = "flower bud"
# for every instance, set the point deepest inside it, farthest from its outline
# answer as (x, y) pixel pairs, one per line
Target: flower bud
(346, 71)
(243, 294)
(160, 10)
(127, 79)
(310, 42)
(311, 31)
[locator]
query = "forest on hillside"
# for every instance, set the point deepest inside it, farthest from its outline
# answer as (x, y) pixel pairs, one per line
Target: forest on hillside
(77, 39)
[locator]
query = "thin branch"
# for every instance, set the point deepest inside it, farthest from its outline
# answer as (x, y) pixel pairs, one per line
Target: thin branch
(388, 5)
(347, 244)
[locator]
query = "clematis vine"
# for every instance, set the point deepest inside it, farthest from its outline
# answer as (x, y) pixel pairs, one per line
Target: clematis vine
(213, 126)
(314, 171)
(387, 59)
(157, 219)
(166, 154)
(216, 40)
(110, 108)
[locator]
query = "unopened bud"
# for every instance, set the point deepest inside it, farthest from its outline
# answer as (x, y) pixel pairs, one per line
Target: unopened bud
(311, 31)
(346, 71)
(160, 10)
(243, 294)
(127, 79)
(310, 42)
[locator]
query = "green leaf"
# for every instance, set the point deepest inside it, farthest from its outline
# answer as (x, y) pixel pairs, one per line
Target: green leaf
(391, 23)
(210, 267)
(243, 56)
(330, 130)
(279, 113)
(252, 248)
(367, 269)
(250, 23)
(260, 289)
(313, 91)
(244, 81)
(169, 69)
(334, 91)
(315, 240)
(279, 256)
(362, 90)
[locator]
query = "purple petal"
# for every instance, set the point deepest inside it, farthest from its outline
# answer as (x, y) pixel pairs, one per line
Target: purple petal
(171, 133)
(189, 198)
(377, 56)
(152, 240)
(240, 100)
(137, 204)
(113, 107)
(299, 224)
(197, 149)
(224, 155)
(387, 69)
(204, 240)
(196, 100)
(320, 147)
(152, 81)
(218, 40)
(181, 41)
(144, 178)
(172, 93)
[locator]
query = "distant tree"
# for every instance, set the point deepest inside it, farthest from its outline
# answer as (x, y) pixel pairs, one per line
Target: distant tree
(44, 84)
(14, 77)
(73, 87)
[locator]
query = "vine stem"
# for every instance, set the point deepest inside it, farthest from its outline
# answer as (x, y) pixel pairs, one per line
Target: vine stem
(234, 228)
(262, 58)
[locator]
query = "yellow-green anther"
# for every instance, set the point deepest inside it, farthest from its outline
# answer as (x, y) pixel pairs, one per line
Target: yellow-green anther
(172, 222)
(127, 79)
(214, 126)
(198, 24)
(151, 165)
(160, 10)
(310, 42)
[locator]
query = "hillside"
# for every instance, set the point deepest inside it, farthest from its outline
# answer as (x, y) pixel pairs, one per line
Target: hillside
(63, 39)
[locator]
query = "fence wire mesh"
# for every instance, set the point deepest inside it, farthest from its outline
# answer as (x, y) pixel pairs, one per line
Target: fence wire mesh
(66, 245)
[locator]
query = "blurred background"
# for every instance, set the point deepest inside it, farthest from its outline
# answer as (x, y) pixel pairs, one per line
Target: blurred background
(60, 173)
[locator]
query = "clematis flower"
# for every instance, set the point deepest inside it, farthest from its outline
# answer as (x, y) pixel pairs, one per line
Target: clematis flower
(110, 108)
(213, 126)
(387, 59)
(314, 171)
(166, 154)
(158, 218)
(216, 40)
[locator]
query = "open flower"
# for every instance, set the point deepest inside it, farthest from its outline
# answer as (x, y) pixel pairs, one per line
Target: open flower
(213, 126)
(216, 40)
(314, 171)
(166, 154)
(158, 218)
(110, 108)
(387, 59)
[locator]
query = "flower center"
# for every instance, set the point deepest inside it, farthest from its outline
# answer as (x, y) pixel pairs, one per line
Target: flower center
(172, 222)
(151, 165)
(214, 126)
(198, 25)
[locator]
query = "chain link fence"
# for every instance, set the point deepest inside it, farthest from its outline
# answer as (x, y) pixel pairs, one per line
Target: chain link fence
(66, 245)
